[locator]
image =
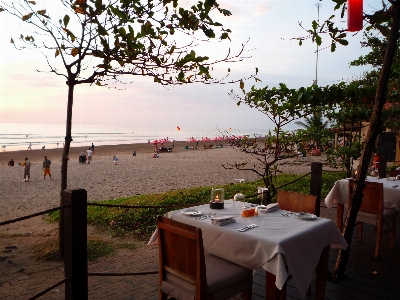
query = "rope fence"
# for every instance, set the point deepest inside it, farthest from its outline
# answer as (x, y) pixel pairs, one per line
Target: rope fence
(49, 289)
(122, 274)
(139, 206)
(33, 215)
(297, 179)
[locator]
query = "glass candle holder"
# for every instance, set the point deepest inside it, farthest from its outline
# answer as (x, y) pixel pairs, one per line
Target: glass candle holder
(217, 195)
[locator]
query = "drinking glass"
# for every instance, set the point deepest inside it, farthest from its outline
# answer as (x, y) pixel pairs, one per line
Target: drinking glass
(265, 220)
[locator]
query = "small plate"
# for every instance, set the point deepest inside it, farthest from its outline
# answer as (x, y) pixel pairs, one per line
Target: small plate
(192, 212)
(306, 216)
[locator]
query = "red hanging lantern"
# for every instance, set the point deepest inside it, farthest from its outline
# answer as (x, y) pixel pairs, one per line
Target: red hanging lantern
(354, 15)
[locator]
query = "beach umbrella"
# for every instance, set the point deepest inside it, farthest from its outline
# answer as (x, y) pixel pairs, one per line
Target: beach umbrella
(217, 138)
(192, 140)
(155, 142)
(205, 139)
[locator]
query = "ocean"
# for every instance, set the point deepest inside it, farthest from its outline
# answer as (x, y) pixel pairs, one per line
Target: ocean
(18, 136)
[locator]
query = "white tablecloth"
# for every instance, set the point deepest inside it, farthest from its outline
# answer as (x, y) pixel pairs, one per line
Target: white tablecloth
(340, 192)
(281, 241)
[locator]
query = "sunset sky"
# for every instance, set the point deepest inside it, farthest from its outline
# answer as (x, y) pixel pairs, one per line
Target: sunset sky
(29, 96)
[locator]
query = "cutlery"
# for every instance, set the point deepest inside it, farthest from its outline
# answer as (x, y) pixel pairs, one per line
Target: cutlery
(247, 227)
(206, 216)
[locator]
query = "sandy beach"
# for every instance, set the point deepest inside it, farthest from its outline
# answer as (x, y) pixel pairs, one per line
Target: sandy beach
(133, 175)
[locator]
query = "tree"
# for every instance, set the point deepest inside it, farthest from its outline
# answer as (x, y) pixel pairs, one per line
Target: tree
(314, 127)
(282, 106)
(387, 22)
(97, 43)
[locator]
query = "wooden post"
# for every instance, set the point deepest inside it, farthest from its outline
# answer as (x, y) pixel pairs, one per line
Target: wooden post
(75, 244)
(315, 184)
(382, 166)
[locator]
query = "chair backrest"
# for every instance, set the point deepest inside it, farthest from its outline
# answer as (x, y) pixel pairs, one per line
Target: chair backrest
(372, 201)
(181, 253)
(297, 202)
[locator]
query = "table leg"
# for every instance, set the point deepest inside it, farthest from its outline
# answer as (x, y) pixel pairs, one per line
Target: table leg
(320, 276)
(339, 216)
(273, 293)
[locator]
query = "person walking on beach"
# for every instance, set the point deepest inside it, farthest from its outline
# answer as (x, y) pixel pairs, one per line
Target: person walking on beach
(30, 146)
(27, 169)
(92, 147)
(46, 167)
(115, 160)
(89, 155)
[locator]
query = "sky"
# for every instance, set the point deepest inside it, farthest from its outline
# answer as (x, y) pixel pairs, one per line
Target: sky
(27, 95)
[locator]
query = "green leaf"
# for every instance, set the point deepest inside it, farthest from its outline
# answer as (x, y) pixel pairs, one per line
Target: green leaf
(318, 40)
(66, 20)
(101, 30)
(333, 47)
(300, 42)
(342, 42)
(181, 76)
(314, 25)
(208, 31)
(225, 12)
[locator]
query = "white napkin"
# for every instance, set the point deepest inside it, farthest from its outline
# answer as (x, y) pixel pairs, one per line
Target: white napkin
(269, 208)
(223, 220)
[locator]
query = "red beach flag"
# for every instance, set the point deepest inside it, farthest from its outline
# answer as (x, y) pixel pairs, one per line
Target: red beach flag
(354, 15)
(178, 128)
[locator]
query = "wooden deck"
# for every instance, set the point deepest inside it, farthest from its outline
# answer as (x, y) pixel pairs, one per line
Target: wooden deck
(367, 278)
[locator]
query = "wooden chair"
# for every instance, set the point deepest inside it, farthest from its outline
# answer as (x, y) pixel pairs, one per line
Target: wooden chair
(296, 202)
(187, 273)
(373, 212)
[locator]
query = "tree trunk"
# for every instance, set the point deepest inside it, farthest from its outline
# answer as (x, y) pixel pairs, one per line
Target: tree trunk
(374, 129)
(64, 165)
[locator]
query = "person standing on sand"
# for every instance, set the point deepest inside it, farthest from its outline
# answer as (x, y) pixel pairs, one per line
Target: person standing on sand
(89, 155)
(27, 168)
(46, 167)
(92, 147)
(29, 147)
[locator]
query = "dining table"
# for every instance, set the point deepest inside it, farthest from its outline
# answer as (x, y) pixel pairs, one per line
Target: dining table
(283, 243)
(339, 194)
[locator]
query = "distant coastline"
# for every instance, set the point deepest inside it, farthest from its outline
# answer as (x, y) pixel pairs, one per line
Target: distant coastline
(36, 155)
(18, 136)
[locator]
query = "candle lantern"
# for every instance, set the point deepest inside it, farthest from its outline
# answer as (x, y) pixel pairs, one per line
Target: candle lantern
(354, 15)
(217, 198)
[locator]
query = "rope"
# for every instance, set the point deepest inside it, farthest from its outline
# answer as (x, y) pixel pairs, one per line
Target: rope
(33, 215)
(297, 179)
(122, 274)
(334, 171)
(139, 206)
(49, 289)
